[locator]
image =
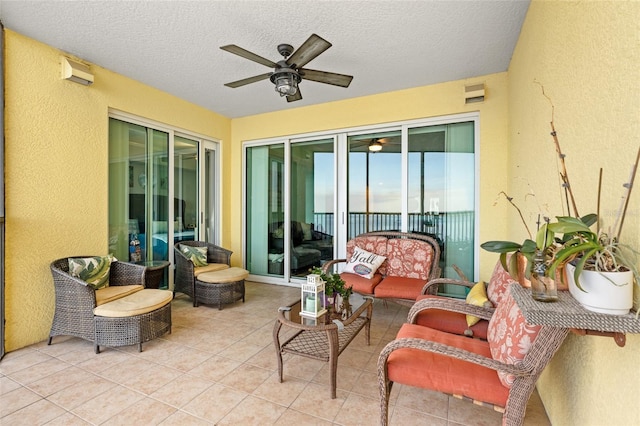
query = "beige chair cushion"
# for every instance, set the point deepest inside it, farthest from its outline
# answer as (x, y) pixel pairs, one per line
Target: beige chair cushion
(224, 276)
(108, 294)
(211, 267)
(137, 303)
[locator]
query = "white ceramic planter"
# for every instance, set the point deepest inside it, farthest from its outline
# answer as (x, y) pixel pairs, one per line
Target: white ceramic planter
(600, 294)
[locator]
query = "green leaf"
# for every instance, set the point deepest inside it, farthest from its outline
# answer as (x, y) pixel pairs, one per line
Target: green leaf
(544, 237)
(568, 225)
(589, 219)
(529, 246)
(500, 246)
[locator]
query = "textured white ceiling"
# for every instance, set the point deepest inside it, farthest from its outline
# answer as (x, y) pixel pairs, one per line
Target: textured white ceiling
(174, 45)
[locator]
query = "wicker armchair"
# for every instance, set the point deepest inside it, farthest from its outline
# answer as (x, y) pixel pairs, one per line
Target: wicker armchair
(76, 303)
(482, 371)
(185, 278)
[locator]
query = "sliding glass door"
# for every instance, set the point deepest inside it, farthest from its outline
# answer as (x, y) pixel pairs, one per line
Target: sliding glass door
(306, 197)
(163, 188)
(138, 191)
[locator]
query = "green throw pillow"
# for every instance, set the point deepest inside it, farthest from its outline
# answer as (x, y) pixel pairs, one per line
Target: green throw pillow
(93, 270)
(198, 255)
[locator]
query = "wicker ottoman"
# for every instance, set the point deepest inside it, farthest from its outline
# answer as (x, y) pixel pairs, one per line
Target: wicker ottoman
(136, 318)
(221, 287)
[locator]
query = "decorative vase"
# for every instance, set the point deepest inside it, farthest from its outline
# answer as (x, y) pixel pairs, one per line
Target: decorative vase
(605, 292)
(543, 288)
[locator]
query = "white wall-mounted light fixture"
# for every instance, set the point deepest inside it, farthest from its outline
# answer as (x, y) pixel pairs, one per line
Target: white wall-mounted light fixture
(76, 72)
(474, 93)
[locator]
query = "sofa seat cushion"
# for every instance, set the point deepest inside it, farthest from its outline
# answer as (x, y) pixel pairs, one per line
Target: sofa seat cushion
(429, 370)
(360, 284)
(400, 288)
(138, 303)
(211, 267)
(228, 275)
(108, 294)
(450, 322)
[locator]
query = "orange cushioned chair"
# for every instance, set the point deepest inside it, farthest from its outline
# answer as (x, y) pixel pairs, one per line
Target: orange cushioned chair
(500, 372)
(450, 321)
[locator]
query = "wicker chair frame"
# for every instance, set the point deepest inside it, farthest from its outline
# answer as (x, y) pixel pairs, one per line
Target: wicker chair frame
(527, 372)
(185, 280)
(75, 301)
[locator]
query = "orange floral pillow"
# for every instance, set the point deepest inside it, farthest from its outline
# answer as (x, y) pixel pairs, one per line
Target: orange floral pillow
(409, 258)
(509, 336)
(498, 284)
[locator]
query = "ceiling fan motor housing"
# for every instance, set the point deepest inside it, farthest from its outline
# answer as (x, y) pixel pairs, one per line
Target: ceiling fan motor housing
(285, 50)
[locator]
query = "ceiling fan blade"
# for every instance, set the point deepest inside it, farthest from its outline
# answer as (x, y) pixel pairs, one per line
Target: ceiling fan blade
(249, 80)
(341, 80)
(236, 50)
(295, 97)
(310, 49)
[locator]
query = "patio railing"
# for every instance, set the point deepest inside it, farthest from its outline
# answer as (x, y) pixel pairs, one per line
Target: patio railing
(454, 227)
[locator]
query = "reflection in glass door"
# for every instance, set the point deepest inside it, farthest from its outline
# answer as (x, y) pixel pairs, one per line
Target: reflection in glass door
(375, 182)
(265, 233)
(288, 235)
(311, 203)
(441, 193)
(186, 181)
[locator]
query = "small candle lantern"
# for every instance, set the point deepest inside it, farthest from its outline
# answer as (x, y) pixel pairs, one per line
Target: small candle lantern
(312, 302)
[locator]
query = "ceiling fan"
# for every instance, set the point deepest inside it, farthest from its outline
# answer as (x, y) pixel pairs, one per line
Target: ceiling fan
(375, 144)
(288, 72)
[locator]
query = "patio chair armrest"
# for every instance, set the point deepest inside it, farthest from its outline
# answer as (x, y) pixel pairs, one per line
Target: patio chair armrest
(431, 287)
(448, 304)
(326, 268)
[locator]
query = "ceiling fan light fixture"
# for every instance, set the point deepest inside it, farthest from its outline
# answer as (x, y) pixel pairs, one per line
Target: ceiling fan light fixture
(286, 81)
(375, 146)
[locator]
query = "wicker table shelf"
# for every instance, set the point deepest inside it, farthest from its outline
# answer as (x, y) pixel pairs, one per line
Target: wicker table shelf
(324, 342)
(568, 313)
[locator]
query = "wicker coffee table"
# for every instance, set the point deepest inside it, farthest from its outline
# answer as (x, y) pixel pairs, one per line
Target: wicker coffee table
(324, 342)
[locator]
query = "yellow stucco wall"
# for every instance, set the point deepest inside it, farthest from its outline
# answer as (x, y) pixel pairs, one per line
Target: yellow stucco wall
(587, 57)
(56, 170)
(428, 101)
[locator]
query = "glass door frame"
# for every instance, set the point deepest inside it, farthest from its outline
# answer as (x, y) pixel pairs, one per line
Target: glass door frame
(205, 146)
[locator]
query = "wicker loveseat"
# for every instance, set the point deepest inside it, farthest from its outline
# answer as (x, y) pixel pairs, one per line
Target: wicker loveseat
(121, 314)
(412, 260)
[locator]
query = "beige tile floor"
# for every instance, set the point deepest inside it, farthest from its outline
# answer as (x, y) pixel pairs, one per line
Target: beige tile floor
(219, 367)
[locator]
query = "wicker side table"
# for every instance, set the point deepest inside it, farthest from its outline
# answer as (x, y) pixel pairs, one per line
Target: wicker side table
(324, 342)
(155, 272)
(568, 313)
